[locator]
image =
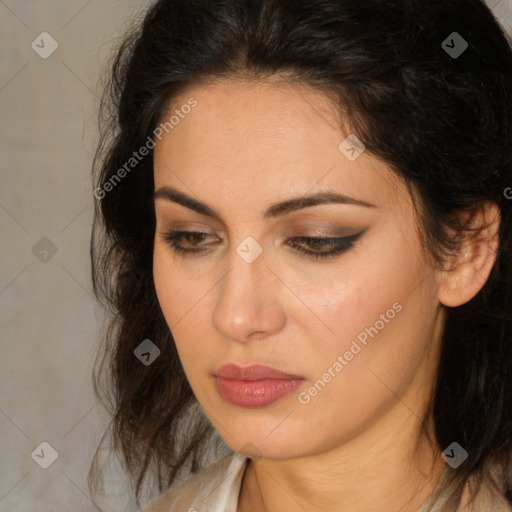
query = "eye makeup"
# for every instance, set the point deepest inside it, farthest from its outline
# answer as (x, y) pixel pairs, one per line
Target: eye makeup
(189, 243)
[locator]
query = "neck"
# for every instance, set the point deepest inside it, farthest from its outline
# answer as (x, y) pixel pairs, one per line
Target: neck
(371, 472)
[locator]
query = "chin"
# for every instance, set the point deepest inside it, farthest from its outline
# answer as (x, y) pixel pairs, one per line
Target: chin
(261, 445)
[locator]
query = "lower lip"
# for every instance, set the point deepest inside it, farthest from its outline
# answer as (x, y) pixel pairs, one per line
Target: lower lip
(258, 393)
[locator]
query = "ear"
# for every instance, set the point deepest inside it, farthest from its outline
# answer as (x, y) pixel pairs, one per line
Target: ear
(470, 268)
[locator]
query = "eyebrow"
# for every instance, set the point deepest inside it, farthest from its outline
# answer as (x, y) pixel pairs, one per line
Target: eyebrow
(275, 210)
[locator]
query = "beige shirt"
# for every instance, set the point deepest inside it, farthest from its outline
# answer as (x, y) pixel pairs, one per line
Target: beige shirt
(216, 488)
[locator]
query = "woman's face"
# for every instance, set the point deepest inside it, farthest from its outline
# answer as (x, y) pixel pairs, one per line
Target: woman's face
(360, 327)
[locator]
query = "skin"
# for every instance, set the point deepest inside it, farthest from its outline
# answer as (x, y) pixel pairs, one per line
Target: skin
(357, 444)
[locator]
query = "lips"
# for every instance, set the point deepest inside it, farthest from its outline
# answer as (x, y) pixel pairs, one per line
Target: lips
(254, 386)
(252, 373)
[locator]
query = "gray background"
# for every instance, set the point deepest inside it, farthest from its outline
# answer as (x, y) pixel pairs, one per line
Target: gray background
(50, 323)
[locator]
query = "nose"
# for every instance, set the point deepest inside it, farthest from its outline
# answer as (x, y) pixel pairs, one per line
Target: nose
(249, 301)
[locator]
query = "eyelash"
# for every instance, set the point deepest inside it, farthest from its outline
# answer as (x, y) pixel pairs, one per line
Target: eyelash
(341, 244)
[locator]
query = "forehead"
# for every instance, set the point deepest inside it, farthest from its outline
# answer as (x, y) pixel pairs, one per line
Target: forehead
(263, 139)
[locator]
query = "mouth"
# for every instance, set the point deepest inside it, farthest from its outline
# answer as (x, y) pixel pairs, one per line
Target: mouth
(254, 386)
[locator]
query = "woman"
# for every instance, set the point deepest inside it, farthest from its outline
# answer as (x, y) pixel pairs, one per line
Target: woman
(307, 247)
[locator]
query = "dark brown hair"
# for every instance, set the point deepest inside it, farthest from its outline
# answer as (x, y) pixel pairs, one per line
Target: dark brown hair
(442, 122)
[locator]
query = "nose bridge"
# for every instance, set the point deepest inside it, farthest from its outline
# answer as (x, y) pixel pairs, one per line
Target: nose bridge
(247, 299)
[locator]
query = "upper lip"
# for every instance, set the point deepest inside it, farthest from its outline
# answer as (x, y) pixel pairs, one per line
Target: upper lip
(253, 372)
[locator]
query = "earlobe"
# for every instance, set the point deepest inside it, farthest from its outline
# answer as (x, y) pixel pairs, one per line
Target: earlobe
(471, 268)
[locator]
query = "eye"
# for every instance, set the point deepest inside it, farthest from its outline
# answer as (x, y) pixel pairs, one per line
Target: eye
(334, 246)
(174, 238)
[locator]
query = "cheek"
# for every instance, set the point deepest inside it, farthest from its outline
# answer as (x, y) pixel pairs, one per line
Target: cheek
(338, 306)
(379, 318)
(177, 292)
(166, 285)
(175, 296)
(352, 382)
(183, 303)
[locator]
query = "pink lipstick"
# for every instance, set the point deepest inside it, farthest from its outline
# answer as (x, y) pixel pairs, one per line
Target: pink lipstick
(254, 386)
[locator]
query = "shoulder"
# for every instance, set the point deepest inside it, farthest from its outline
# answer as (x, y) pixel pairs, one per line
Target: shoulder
(213, 486)
(490, 495)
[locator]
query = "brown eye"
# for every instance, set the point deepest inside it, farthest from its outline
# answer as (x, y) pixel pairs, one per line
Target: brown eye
(193, 238)
(316, 246)
(335, 246)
